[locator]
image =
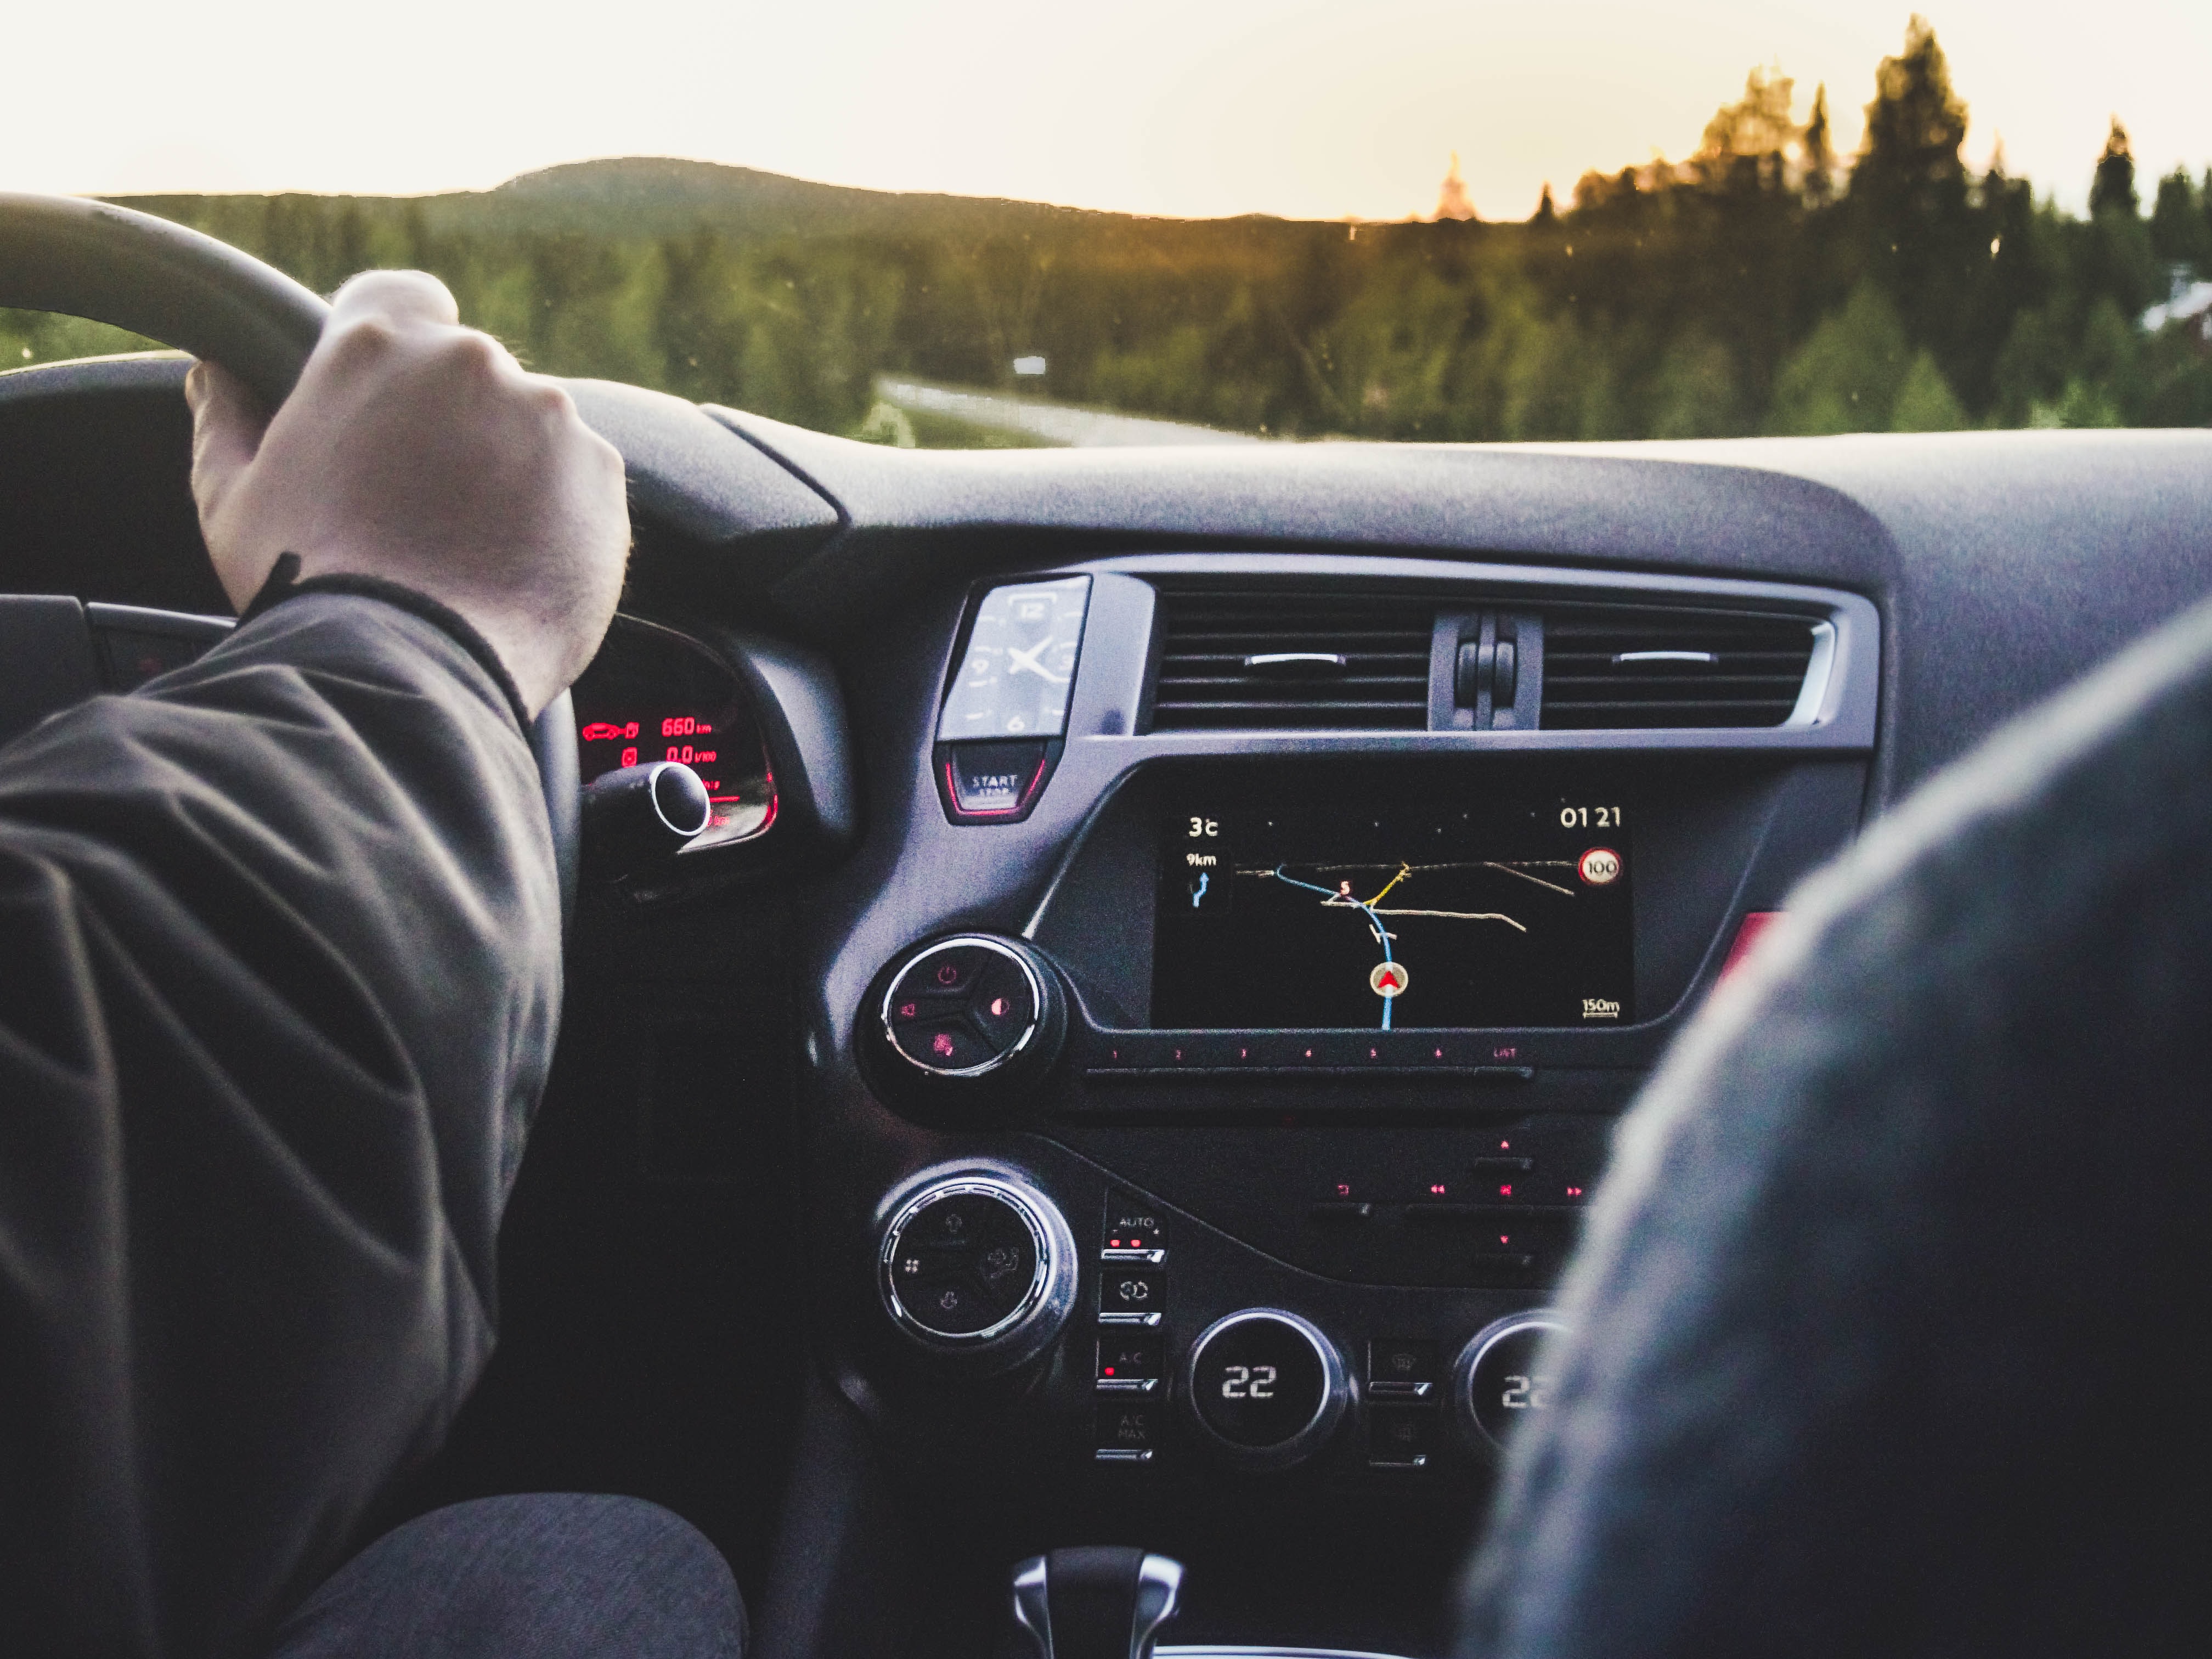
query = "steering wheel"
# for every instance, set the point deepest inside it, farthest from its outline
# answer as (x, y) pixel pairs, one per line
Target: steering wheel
(111, 264)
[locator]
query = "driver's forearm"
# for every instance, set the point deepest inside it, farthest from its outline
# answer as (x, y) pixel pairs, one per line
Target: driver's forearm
(277, 994)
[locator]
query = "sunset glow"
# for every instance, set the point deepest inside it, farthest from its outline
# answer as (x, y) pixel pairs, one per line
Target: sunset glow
(1198, 107)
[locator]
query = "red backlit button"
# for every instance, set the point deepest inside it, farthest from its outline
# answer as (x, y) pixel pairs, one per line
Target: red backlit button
(946, 1046)
(997, 780)
(1128, 1360)
(906, 1010)
(950, 972)
(1000, 1005)
(1505, 1179)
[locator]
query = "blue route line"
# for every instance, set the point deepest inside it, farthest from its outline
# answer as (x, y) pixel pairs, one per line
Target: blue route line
(1382, 933)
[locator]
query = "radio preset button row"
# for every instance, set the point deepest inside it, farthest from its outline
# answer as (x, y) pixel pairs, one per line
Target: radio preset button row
(1151, 1054)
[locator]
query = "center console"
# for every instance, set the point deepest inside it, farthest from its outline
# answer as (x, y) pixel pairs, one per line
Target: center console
(1207, 1106)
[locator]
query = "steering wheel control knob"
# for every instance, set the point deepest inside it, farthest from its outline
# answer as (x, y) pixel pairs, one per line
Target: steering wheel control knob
(978, 1267)
(1266, 1387)
(1501, 1378)
(969, 1007)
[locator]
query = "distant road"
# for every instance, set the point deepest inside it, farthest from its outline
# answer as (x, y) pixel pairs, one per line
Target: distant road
(1051, 423)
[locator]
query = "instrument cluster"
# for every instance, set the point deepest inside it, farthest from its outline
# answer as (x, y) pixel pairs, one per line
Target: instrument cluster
(654, 695)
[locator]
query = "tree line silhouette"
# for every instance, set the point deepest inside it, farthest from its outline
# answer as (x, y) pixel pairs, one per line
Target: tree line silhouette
(1762, 285)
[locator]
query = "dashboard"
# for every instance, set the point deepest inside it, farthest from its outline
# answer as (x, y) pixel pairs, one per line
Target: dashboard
(1131, 1056)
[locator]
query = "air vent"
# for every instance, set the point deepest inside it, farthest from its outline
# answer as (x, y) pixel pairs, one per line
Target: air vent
(1638, 667)
(1257, 660)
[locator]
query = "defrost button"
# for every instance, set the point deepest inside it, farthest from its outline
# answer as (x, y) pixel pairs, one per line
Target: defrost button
(1401, 1369)
(1401, 1436)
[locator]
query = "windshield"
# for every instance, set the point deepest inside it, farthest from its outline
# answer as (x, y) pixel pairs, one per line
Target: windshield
(1251, 222)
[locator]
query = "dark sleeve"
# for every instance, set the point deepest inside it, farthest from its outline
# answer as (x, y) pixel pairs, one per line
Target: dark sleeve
(1891, 1333)
(279, 976)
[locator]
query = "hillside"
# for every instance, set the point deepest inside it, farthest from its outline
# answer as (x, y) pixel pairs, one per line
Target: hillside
(648, 196)
(1762, 284)
(658, 196)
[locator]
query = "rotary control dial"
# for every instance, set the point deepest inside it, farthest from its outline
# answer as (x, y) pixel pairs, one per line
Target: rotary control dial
(1503, 1378)
(972, 1006)
(966, 1262)
(1265, 1386)
(978, 1266)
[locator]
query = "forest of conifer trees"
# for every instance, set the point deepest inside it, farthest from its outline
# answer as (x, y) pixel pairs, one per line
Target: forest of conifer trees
(1763, 285)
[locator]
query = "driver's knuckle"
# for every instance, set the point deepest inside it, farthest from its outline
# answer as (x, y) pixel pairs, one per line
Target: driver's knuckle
(363, 337)
(476, 354)
(550, 399)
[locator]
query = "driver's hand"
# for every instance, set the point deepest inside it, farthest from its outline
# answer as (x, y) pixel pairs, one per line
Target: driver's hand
(419, 451)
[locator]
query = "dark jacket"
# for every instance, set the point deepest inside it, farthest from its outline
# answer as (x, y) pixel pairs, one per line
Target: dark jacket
(1891, 1311)
(279, 976)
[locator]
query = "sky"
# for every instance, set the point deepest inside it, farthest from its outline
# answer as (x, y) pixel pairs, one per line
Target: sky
(1185, 107)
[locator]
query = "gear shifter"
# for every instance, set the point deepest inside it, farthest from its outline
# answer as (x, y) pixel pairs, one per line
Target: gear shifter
(1104, 1601)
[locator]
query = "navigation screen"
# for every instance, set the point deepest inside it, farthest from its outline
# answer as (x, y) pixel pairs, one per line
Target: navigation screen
(1473, 911)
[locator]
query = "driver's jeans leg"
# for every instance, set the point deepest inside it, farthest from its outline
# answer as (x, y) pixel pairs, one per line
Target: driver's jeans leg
(540, 1576)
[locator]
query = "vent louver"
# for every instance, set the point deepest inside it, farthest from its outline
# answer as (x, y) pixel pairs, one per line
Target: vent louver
(1639, 667)
(1343, 661)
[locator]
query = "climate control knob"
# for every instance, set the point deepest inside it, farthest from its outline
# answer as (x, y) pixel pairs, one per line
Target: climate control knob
(1265, 1388)
(978, 1267)
(972, 1009)
(1502, 1377)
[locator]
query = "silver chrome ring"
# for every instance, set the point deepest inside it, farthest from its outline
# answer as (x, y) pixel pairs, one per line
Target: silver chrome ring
(653, 797)
(1470, 1357)
(983, 942)
(1045, 1303)
(1335, 1394)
